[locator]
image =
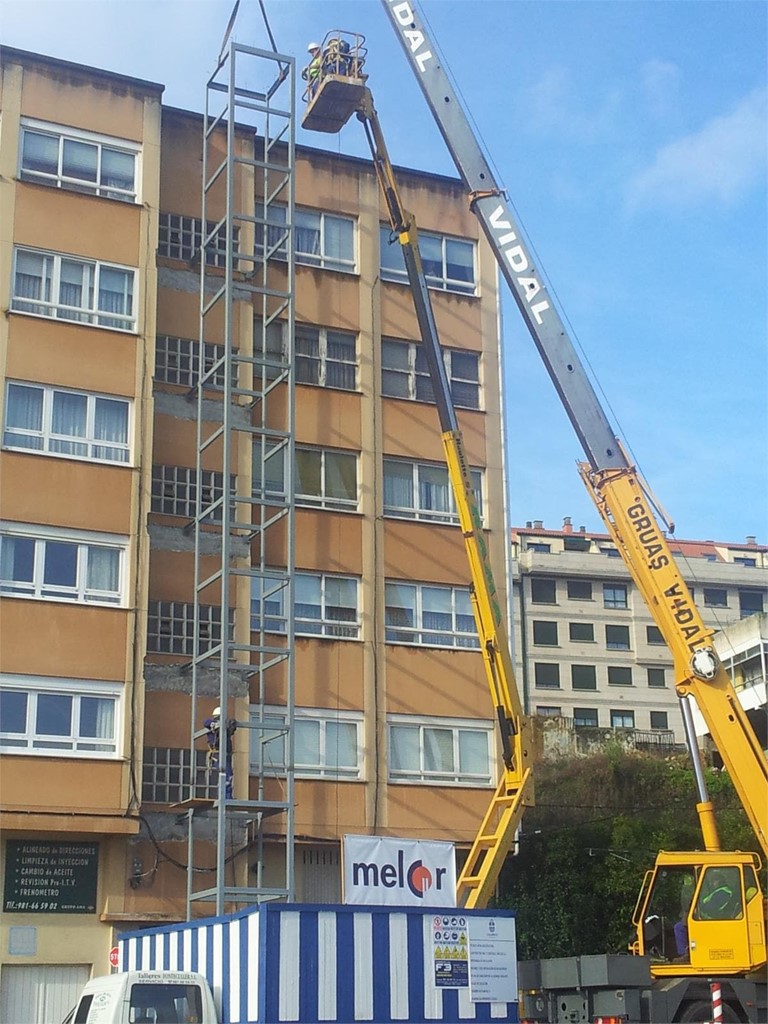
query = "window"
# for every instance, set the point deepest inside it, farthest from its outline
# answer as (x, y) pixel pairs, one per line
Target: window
(268, 603)
(750, 602)
(174, 491)
(59, 716)
(327, 744)
(622, 719)
(165, 775)
(49, 284)
(74, 424)
(579, 590)
(617, 638)
(543, 591)
(405, 373)
(449, 263)
(657, 677)
(659, 720)
(326, 478)
(615, 595)
(545, 633)
(419, 613)
(548, 711)
(415, 490)
(270, 457)
(66, 158)
(177, 361)
(719, 895)
(583, 677)
(715, 597)
(547, 675)
(611, 552)
(751, 563)
(320, 239)
(585, 718)
(583, 631)
(181, 238)
(538, 547)
(326, 606)
(620, 675)
(442, 751)
(576, 543)
(170, 627)
(56, 565)
(653, 635)
(325, 357)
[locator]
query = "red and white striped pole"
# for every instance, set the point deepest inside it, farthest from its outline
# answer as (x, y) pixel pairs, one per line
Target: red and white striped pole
(717, 1002)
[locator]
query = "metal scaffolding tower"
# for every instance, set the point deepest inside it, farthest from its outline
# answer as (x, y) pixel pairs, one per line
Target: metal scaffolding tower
(244, 522)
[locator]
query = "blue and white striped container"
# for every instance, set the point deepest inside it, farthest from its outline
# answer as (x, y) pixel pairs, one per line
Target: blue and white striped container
(277, 963)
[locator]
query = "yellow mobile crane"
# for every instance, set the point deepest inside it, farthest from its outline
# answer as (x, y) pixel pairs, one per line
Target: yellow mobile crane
(685, 927)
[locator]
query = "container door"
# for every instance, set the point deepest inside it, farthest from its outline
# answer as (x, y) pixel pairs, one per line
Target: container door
(40, 993)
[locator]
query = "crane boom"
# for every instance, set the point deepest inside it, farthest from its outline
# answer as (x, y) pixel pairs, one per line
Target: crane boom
(612, 481)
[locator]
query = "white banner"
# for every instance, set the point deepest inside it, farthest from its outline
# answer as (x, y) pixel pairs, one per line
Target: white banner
(379, 870)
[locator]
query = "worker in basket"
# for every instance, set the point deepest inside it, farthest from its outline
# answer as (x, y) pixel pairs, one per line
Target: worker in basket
(311, 73)
(337, 57)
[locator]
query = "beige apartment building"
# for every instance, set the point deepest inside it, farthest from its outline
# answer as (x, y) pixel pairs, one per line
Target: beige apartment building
(373, 715)
(588, 648)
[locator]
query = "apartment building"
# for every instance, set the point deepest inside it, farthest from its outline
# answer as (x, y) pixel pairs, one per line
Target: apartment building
(587, 646)
(101, 238)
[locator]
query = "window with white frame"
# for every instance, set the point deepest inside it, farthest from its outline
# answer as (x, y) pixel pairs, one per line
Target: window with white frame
(59, 717)
(70, 288)
(327, 744)
(177, 361)
(320, 239)
(181, 238)
(615, 595)
(80, 161)
(53, 564)
(171, 627)
(268, 600)
(326, 357)
(174, 491)
(429, 615)
(326, 605)
(75, 424)
(418, 490)
(442, 751)
(270, 458)
(405, 373)
(449, 263)
(326, 478)
(621, 719)
(270, 352)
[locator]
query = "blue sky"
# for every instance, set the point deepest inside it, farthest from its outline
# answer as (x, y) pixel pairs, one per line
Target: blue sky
(631, 137)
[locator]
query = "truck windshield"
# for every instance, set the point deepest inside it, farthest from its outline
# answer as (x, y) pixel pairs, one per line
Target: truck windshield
(157, 1003)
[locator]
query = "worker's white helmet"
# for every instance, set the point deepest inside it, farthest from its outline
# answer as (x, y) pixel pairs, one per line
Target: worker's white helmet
(216, 713)
(312, 47)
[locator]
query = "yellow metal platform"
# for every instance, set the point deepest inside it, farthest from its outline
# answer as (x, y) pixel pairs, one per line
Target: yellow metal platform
(336, 98)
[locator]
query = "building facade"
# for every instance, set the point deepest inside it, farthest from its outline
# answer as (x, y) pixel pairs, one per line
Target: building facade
(100, 252)
(587, 646)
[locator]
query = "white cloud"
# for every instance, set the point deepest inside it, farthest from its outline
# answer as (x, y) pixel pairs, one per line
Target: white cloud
(660, 82)
(549, 105)
(720, 162)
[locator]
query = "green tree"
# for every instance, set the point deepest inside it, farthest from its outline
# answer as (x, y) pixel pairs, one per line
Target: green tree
(597, 826)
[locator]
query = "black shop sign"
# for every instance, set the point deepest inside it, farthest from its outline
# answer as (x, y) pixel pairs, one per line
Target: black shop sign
(50, 878)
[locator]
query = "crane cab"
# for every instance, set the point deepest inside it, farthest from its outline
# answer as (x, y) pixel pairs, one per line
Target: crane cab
(335, 82)
(702, 913)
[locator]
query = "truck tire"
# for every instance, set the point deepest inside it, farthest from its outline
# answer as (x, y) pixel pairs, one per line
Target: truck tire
(701, 1013)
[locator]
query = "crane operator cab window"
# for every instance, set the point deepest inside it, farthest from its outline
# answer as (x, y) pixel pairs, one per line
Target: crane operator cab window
(720, 895)
(665, 929)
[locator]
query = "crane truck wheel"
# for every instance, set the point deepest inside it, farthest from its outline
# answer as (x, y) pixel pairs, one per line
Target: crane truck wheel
(701, 1013)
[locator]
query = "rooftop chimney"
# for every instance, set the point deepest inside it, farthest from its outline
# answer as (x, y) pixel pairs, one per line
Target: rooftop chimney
(567, 528)
(538, 524)
(582, 529)
(529, 524)
(751, 539)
